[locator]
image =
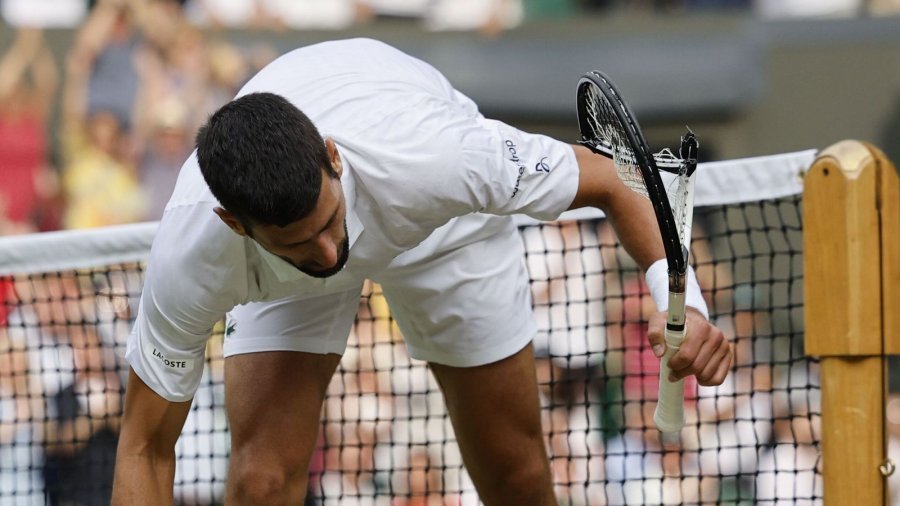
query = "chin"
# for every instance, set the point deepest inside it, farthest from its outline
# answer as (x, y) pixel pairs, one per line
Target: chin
(323, 274)
(327, 273)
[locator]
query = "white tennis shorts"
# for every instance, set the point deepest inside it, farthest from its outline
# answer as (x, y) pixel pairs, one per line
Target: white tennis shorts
(463, 307)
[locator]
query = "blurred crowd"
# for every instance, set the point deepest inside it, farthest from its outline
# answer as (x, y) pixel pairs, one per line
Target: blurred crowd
(137, 81)
(386, 437)
(97, 138)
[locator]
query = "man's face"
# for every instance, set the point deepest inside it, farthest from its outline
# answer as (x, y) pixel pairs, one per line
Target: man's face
(317, 245)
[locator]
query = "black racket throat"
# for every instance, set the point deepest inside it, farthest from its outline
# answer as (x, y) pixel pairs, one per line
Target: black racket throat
(598, 148)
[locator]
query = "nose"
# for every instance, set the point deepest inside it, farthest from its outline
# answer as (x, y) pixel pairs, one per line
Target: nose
(326, 251)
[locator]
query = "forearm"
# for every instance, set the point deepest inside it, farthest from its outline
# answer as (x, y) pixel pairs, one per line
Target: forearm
(630, 214)
(145, 457)
(12, 70)
(46, 79)
(96, 30)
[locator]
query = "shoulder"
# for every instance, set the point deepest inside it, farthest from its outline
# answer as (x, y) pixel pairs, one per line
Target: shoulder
(190, 187)
(197, 260)
(414, 148)
(346, 72)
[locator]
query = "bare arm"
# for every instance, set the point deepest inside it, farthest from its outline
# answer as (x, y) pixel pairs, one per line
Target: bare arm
(16, 61)
(631, 215)
(46, 78)
(96, 31)
(145, 459)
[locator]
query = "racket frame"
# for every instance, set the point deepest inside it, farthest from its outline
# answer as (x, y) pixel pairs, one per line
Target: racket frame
(644, 159)
(669, 415)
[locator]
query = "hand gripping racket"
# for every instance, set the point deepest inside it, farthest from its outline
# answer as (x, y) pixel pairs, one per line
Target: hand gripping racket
(609, 128)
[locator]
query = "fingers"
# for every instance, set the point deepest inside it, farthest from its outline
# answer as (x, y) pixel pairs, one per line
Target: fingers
(722, 372)
(704, 353)
(656, 332)
(716, 369)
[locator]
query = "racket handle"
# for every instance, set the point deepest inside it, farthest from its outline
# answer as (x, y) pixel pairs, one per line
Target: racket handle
(669, 415)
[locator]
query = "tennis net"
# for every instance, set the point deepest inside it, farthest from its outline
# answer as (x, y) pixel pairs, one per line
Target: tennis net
(68, 299)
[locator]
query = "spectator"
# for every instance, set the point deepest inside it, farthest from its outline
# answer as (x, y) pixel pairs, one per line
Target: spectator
(808, 8)
(640, 469)
(177, 66)
(489, 17)
(358, 416)
(42, 308)
(116, 305)
(82, 427)
(359, 407)
(21, 483)
(241, 14)
(99, 178)
(790, 470)
(425, 487)
(169, 145)
(420, 420)
(734, 418)
(43, 13)
(229, 69)
(314, 14)
(573, 433)
(28, 83)
(160, 21)
(565, 265)
(641, 366)
(203, 448)
(105, 53)
(100, 183)
(75, 378)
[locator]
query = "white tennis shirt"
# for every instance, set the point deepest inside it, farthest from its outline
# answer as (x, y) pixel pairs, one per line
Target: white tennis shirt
(420, 162)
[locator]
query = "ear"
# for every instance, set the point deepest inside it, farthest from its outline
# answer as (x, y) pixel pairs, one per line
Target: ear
(334, 156)
(232, 222)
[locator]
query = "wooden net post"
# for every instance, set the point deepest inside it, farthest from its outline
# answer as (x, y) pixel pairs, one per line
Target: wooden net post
(850, 217)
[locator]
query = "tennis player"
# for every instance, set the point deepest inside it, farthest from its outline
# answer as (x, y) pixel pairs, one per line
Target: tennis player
(338, 162)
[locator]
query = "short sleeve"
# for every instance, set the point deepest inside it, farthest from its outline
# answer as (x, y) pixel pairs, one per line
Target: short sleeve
(196, 273)
(516, 172)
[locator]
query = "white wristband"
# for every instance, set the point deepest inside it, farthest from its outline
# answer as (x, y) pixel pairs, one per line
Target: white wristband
(658, 282)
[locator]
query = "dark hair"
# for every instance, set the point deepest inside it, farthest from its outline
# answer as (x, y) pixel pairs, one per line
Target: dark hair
(263, 159)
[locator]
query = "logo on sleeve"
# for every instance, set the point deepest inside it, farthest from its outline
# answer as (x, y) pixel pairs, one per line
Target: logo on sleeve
(542, 166)
(514, 158)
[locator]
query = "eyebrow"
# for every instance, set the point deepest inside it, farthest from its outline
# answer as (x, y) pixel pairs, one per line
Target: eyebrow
(325, 227)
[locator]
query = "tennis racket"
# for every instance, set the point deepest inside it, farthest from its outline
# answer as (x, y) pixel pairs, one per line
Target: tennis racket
(608, 127)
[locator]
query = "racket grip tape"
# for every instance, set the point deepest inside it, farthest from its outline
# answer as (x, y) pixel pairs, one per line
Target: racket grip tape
(669, 415)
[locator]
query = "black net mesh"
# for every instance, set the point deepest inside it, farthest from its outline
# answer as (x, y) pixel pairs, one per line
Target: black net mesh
(385, 435)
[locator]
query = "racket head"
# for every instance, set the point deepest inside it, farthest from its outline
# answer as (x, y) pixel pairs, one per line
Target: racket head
(608, 127)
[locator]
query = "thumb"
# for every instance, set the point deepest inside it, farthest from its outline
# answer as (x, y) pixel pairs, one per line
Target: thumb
(656, 333)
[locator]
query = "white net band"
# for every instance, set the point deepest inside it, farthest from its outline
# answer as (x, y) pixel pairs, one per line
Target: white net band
(717, 183)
